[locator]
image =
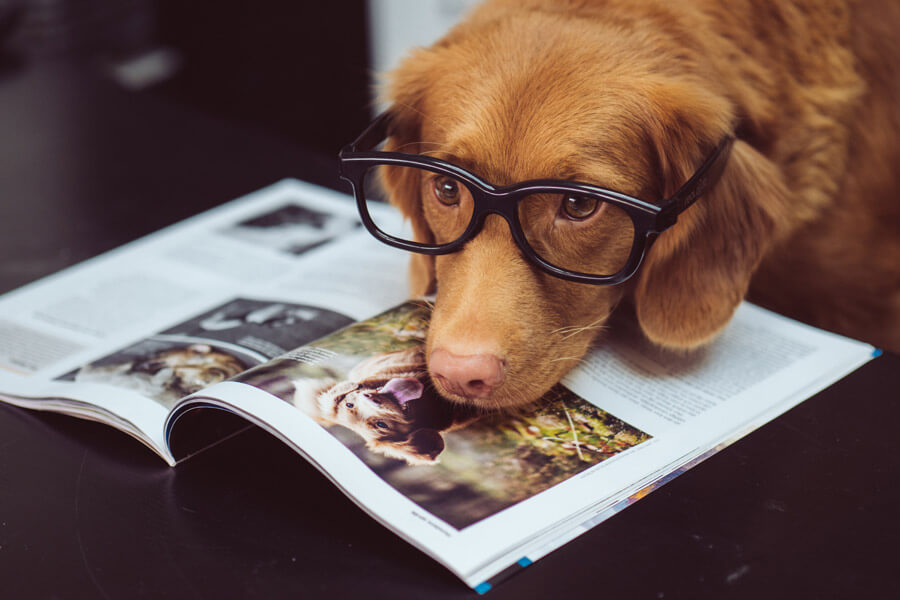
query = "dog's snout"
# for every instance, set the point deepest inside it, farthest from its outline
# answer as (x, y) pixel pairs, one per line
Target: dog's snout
(473, 377)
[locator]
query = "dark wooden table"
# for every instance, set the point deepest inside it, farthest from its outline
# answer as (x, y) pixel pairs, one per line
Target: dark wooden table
(805, 507)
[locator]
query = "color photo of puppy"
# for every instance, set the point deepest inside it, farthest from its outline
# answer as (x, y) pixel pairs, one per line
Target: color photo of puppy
(385, 401)
(209, 348)
(166, 369)
(367, 385)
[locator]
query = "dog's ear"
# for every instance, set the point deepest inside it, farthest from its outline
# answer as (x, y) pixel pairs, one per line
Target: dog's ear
(426, 444)
(405, 92)
(422, 447)
(697, 272)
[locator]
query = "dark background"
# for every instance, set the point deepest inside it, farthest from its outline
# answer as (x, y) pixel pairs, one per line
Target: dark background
(805, 507)
(298, 69)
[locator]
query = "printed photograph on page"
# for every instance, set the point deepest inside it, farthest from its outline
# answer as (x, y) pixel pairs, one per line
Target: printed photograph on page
(209, 348)
(291, 229)
(368, 386)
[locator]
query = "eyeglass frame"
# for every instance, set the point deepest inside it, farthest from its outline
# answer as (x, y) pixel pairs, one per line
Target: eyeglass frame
(649, 220)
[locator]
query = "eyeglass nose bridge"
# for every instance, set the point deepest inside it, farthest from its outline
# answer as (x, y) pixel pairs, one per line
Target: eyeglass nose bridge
(500, 202)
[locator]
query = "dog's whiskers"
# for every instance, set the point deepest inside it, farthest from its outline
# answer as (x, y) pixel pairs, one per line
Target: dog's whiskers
(583, 330)
(577, 359)
(568, 329)
(431, 152)
(573, 330)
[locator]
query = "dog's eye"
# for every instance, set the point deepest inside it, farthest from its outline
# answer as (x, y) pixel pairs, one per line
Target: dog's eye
(579, 208)
(381, 425)
(348, 404)
(446, 190)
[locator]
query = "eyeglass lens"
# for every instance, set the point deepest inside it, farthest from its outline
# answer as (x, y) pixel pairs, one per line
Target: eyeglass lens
(582, 234)
(446, 201)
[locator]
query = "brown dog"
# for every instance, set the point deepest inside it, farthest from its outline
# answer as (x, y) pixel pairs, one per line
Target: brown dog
(631, 95)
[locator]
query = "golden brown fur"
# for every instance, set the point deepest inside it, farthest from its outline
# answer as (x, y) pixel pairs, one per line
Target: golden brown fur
(631, 95)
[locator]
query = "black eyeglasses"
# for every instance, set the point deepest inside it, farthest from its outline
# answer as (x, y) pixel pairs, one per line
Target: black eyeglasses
(575, 231)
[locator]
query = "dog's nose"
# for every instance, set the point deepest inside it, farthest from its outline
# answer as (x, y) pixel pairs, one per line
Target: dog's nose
(473, 377)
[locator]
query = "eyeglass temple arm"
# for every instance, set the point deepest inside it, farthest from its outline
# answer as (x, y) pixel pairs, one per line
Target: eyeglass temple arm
(373, 134)
(700, 182)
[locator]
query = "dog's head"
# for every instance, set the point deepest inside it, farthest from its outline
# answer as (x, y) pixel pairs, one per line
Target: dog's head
(553, 95)
(396, 418)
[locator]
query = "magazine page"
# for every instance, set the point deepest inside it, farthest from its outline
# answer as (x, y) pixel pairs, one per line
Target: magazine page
(486, 494)
(122, 337)
(692, 404)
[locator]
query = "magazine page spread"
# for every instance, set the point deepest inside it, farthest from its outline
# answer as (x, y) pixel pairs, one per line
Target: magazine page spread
(487, 494)
(122, 337)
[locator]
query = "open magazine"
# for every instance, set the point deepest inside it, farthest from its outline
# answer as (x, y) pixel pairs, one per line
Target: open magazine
(280, 309)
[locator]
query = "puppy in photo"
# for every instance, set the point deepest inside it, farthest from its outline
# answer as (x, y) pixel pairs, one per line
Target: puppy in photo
(385, 401)
(166, 375)
(568, 156)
